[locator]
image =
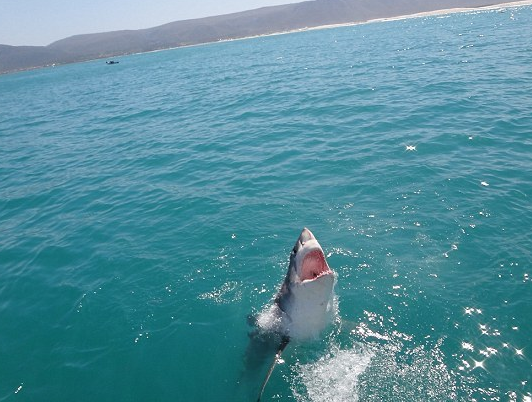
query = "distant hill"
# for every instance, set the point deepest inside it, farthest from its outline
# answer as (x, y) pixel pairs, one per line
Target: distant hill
(261, 21)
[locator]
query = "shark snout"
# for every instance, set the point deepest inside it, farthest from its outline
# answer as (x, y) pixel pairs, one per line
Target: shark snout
(305, 236)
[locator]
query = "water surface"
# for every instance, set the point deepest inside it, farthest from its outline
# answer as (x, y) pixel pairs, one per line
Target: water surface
(147, 208)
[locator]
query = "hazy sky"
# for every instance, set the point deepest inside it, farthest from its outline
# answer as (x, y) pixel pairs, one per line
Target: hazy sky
(40, 22)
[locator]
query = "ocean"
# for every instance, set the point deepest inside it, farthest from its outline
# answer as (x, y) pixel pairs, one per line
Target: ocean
(148, 209)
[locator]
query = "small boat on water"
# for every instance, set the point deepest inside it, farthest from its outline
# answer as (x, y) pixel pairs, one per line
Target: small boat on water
(112, 62)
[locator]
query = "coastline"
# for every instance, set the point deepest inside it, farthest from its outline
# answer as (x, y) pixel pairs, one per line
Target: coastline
(424, 14)
(434, 13)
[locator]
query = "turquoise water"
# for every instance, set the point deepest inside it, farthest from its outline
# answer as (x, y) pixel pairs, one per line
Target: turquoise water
(148, 208)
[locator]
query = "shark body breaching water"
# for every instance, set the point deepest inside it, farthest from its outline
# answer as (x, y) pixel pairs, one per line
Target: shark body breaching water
(304, 305)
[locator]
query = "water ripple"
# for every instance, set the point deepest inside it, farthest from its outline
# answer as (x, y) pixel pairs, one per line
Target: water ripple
(147, 209)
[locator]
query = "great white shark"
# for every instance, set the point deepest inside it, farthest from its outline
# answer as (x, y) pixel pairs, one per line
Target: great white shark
(304, 305)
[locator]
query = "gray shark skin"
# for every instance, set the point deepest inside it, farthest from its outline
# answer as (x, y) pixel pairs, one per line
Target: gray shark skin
(304, 305)
(306, 298)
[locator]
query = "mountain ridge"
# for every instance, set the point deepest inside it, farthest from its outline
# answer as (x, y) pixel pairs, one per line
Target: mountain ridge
(261, 21)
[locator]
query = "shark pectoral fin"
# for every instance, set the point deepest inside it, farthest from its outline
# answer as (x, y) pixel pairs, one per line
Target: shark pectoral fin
(284, 341)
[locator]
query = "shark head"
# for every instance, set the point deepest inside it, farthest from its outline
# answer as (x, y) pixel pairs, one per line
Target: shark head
(306, 298)
(307, 260)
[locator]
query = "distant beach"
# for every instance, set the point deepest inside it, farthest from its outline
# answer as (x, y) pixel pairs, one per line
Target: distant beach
(222, 28)
(396, 18)
(419, 15)
(458, 10)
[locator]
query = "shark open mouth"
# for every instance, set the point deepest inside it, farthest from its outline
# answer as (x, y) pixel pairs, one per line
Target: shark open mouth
(314, 265)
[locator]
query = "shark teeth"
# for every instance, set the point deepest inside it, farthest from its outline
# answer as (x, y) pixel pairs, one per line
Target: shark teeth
(313, 266)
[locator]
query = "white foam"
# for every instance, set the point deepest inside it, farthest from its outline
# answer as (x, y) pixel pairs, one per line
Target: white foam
(270, 319)
(403, 372)
(333, 378)
(393, 371)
